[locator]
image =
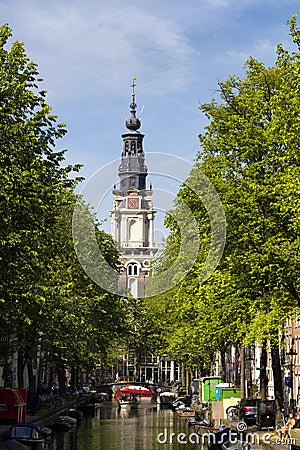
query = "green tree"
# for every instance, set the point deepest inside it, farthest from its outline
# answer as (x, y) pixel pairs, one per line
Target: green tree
(46, 298)
(250, 152)
(252, 144)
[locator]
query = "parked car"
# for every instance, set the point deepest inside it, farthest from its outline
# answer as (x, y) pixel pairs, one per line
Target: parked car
(294, 441)
(182, 390)
(248, 410)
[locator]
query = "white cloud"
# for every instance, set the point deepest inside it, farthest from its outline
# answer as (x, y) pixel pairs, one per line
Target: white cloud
(88, 46)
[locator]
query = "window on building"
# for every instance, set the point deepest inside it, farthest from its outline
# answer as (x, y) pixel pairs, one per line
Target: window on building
(132, 269)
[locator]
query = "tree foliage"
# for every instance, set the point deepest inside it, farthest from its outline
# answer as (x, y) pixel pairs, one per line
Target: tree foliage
(45, 297)
(250, 152)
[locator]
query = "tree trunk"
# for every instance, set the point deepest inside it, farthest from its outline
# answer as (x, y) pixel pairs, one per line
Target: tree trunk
(278, 391)
(242, 374)
(20, 368)
(182, 380)
(61, 380)
(50, 379)
(236, 367)
(223, 365)
(201, 369)
(73, 380)
(6, 375)
(263, 382)
(30, 377)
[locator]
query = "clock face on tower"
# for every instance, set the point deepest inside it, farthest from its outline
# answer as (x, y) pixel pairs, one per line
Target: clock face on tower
(133, 203)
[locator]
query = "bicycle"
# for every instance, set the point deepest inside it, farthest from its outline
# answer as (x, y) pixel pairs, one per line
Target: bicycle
(232, 413)
(52, 401)
(56, 401)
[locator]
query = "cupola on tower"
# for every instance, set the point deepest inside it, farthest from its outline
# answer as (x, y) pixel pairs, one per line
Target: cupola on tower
(132, 216)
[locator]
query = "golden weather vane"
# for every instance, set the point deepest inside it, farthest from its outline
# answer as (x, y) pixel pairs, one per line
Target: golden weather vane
(133, 85)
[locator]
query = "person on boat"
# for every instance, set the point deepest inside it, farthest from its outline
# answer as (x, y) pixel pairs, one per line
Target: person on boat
(133, 398)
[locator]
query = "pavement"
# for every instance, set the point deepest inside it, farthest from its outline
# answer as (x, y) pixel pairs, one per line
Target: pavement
(266, 439)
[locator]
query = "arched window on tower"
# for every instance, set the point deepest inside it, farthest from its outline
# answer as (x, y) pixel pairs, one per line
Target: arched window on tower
(126, 147)
(133, 148)
(132, 269)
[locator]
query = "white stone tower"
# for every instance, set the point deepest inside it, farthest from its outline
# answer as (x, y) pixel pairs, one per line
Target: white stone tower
(132, 216)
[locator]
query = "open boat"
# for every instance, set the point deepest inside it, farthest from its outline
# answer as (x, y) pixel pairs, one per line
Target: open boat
(100, 397)
(74, 413)
(67, 419)
(199, 420)
(62, 425)
(203, 429)
(127, 403)
(165, 398)
(186, 412)
(216, 439)
(240, 445)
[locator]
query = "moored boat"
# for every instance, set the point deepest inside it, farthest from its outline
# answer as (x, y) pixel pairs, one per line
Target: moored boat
(240, 445)
(199, 420)
(71, 412)
(177, 404)
(165, 398)
(139, 391)
(100, 397)
(60, 426)
(87, 408)
(67, 419)
(127, 403)
(28, 434)
(186, 412)
(216, 439)
(46, 432)
(205, 430)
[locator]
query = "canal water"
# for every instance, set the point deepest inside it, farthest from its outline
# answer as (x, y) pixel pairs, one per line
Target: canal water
(146, 428)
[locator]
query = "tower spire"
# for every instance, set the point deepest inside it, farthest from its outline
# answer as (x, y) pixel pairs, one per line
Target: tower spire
(132, 170)
(133, 123)
(133, 214)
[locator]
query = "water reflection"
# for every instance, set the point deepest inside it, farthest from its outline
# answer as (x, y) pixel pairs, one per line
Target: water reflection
(111, 428)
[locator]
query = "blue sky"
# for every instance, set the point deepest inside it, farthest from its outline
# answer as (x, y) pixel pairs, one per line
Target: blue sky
(87, 52)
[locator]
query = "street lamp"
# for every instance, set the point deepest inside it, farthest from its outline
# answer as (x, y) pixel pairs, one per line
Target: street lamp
(292, 353)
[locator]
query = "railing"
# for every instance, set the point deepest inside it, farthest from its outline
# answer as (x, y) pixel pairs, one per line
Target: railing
(134, 244)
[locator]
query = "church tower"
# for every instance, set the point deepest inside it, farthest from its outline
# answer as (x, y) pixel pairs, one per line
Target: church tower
(132, 216)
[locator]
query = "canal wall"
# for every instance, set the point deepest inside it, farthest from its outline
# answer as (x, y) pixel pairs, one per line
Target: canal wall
(42, 418)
